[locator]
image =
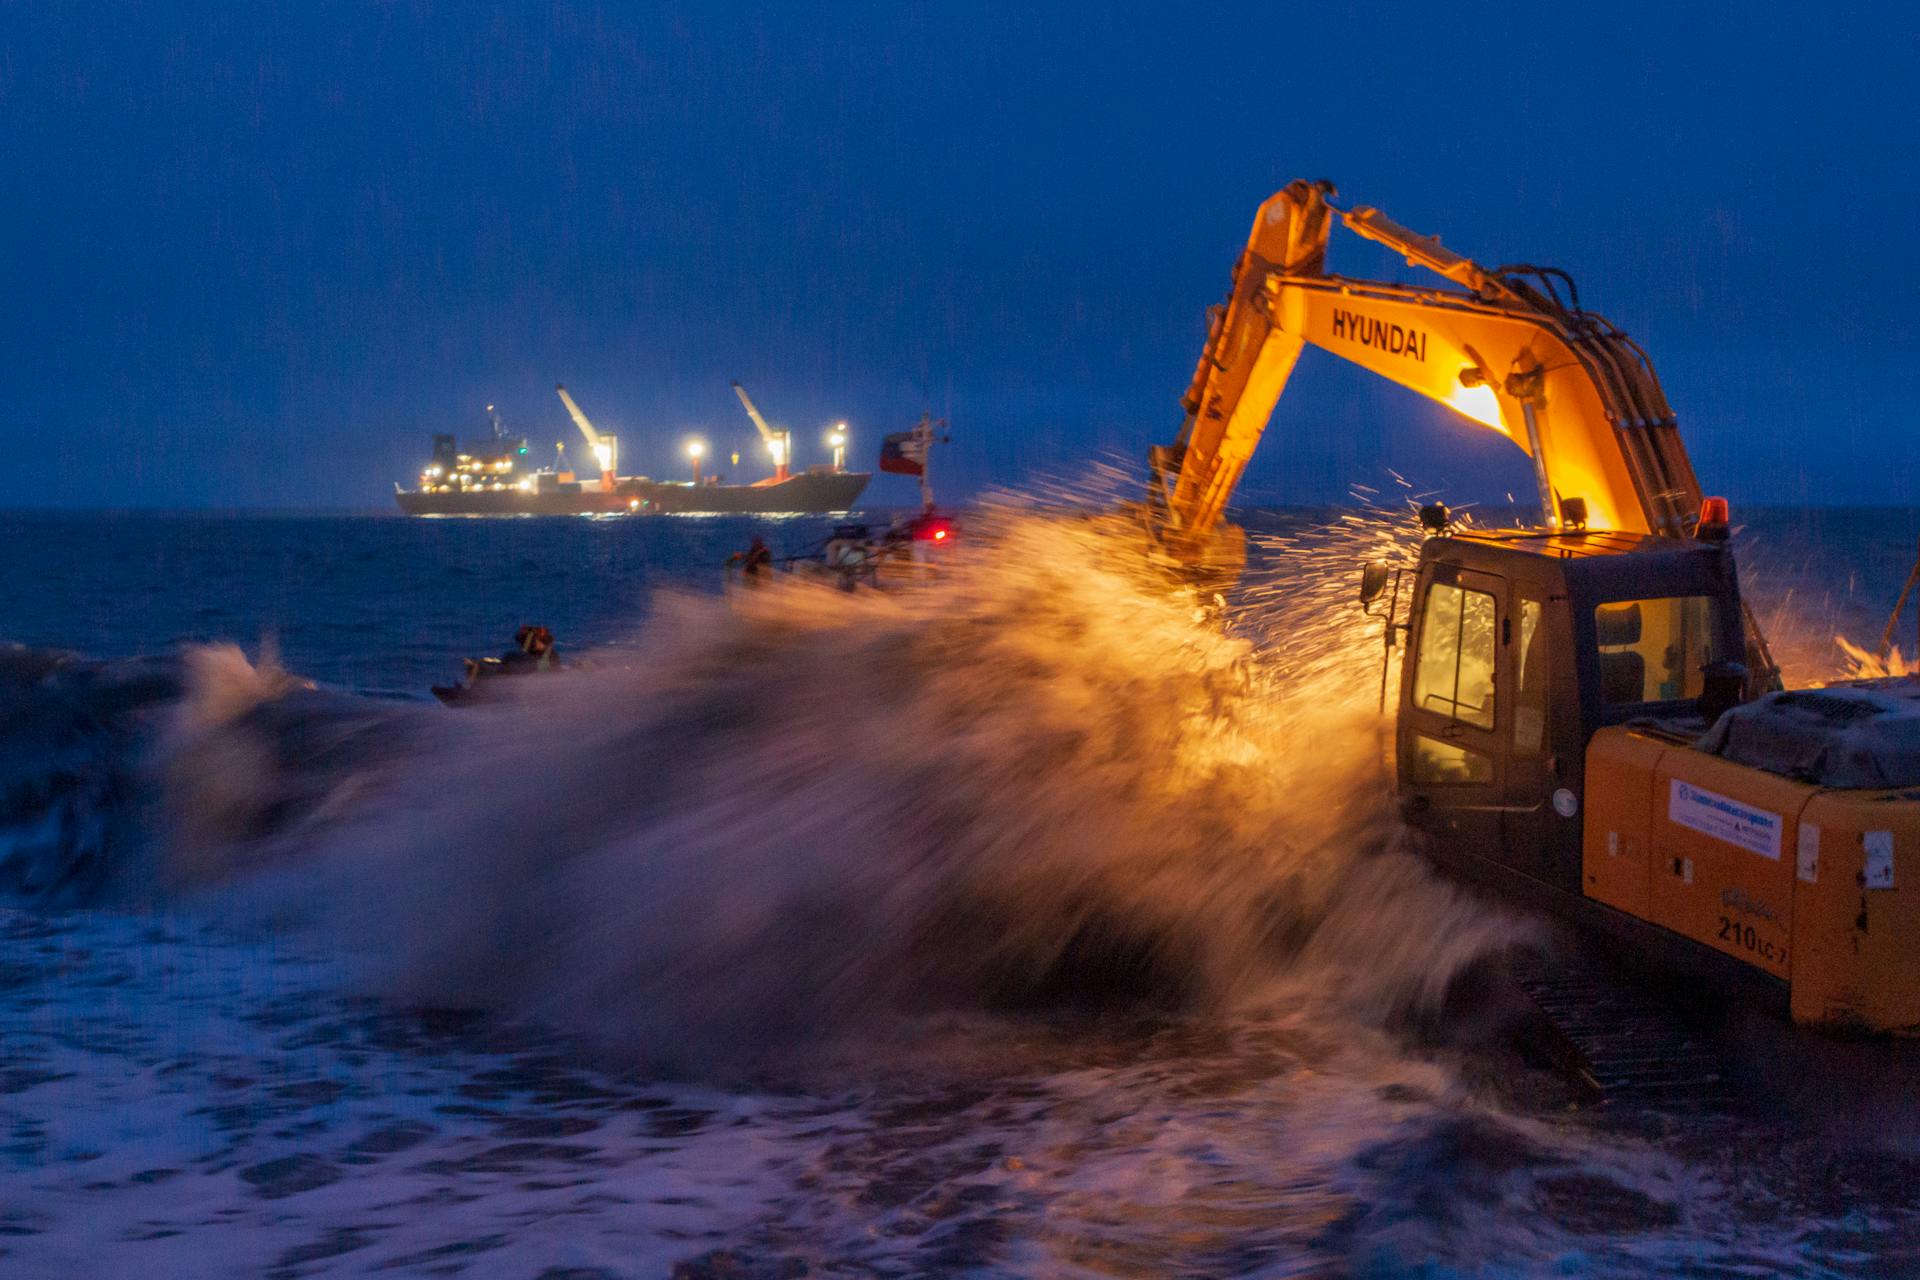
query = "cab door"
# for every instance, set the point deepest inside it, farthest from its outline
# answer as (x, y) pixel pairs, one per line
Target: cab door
(1541, 826)
(1453, 719)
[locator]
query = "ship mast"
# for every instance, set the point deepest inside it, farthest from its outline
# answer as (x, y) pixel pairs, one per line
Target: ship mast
(923, 434)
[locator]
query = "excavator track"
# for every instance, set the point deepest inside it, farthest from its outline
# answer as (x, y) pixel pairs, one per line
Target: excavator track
(1613, 1038)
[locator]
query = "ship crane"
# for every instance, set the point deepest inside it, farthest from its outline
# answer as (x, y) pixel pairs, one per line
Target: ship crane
(779, 443)
(604, 448)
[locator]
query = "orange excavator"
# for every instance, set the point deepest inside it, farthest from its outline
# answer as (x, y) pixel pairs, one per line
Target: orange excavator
(1588, 715)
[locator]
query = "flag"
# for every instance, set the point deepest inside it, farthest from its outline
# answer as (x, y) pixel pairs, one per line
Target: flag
(904, 453)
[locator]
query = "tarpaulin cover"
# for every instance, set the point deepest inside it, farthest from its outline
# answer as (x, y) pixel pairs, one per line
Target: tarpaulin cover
(1865, 735)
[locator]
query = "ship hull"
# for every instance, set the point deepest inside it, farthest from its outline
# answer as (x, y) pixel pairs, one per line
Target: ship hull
(797, 495)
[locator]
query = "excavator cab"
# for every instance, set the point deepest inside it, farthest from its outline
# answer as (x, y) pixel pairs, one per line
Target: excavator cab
(1520, 645)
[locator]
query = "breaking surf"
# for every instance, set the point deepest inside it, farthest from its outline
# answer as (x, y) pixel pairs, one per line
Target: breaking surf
(1040, 921)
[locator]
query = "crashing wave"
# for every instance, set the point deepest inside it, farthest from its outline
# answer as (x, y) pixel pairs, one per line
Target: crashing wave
(1052, 778)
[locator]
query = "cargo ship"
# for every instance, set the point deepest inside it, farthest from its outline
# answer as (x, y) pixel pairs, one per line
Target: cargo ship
(493, 476)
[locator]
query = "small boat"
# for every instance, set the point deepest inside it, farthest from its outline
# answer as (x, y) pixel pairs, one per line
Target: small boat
(859, 555)
(533, 653)
(905, 552)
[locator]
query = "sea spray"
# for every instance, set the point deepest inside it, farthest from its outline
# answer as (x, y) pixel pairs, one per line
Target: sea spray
(253, 763)
(1051, 777)
(177, 1089)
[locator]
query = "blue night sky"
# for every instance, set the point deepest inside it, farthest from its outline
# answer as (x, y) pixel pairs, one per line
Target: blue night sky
(255, 253)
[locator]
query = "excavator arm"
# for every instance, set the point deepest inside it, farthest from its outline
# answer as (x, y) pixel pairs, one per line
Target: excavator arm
(1503, 348)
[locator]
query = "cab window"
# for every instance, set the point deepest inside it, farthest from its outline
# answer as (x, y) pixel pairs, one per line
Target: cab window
(1434, 761)
(1653, 650)
(1454, 675)
(1530, 682)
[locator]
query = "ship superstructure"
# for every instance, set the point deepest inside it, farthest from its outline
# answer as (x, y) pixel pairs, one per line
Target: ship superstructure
(492, 464)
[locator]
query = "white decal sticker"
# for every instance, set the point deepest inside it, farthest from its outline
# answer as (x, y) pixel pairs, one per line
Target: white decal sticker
(1879, 872)
(1809, 852)
(1613, 844)
(1710, 813)
(1529, 727)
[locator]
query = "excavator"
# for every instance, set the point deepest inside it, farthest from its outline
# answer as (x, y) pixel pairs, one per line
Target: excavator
(1588, 715)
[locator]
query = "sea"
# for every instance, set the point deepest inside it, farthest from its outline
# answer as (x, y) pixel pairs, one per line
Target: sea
(1038, 919)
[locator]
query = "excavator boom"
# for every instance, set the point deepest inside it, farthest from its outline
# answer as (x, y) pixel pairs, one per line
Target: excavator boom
(1503, 349)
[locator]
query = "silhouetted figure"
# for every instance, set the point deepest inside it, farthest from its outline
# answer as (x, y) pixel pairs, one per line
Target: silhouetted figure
(755, 562)
(532, 651)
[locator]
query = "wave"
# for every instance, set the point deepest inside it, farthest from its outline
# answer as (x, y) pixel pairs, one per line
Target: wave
(1051, 778)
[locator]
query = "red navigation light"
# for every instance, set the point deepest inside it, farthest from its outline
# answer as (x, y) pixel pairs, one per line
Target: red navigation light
(1714, 518)
(933, 531)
